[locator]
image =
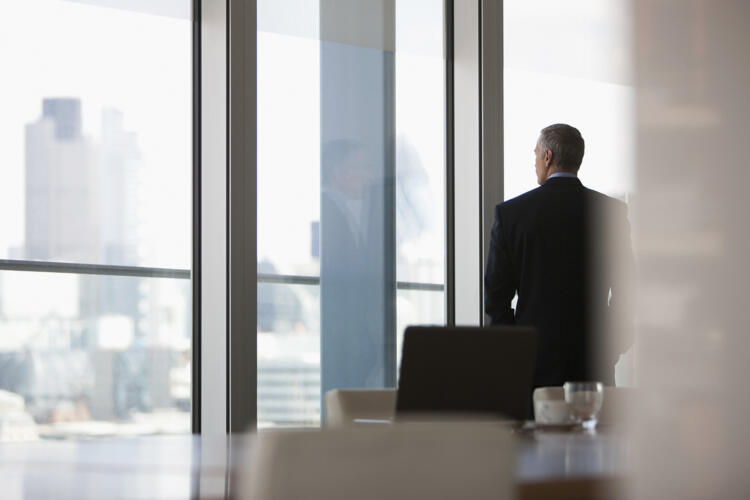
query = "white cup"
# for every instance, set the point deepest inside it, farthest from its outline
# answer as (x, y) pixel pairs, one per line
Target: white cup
(552, 412)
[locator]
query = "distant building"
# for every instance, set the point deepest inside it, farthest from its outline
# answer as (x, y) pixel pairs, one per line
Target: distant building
(80, 196)
(65, 113)
(61, 167)
(119, 163)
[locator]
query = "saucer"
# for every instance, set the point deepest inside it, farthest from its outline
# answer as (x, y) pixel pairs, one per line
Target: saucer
(556, 427)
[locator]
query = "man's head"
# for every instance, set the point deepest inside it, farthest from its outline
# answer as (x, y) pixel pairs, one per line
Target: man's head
(344, 167)
(559, 149)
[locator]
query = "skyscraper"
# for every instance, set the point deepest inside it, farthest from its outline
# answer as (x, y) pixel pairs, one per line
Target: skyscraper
(119, 163)
(65, 113)
(61, 169)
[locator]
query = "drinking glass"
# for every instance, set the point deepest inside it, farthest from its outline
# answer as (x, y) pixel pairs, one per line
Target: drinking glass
(585, 400)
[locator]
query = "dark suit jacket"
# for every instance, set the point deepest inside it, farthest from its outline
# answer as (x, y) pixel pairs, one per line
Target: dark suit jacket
(562, 248)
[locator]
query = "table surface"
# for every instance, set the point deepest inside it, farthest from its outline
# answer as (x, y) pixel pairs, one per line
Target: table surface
(161, 467)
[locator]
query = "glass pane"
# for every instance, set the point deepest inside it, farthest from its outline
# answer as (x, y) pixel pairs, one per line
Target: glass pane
(420, 142)
(288, 354)
(351, 190)
(96, 128)
(583, 79)
(93, 356)
(97, 169)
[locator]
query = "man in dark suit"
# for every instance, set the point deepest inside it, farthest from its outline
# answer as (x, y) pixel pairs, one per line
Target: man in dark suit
(565, 250)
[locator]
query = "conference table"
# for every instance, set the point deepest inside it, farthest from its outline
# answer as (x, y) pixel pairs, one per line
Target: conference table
(560, 465)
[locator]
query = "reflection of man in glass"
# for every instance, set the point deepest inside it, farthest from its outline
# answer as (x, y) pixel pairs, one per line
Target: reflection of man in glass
(351, 340)
(345, 177)
(565, 249)
(415, 208)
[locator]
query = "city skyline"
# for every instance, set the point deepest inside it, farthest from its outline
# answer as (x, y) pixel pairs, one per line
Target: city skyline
(106, 357)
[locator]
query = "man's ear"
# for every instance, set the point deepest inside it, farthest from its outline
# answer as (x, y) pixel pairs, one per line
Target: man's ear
(548, 157)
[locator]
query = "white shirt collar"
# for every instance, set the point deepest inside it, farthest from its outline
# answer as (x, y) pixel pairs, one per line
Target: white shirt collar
(562, 174)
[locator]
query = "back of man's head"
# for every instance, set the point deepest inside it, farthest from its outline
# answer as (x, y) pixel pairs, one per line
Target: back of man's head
(565, 143)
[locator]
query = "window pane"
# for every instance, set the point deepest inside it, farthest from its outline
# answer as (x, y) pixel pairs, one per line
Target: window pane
(92, 356)
(97, 169)
(420, 143)
(288, 354)
(350, 193)
(583, 79)
(96, 128)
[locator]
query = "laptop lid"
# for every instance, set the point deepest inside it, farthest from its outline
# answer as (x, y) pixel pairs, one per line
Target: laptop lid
(467, 370)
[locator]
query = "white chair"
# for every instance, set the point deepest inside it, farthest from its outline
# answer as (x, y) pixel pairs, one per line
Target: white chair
(344, 406)
(437, 461)
(617, 401)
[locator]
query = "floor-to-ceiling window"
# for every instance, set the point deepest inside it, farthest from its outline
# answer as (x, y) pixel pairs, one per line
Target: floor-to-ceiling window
(351, 240)
(95, 237)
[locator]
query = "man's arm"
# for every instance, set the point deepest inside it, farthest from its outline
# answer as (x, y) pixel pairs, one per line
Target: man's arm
(499, 285)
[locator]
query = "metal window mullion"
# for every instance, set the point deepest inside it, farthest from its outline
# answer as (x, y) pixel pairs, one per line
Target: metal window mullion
(291, 279)
(93, 269)
(213, 197)
(450, 263)
(466, 241)
(242, 273)
(196, 284)
(491, 127)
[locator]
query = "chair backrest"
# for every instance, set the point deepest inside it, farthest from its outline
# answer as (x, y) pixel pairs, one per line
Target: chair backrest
(617, 401)
(344, 406)
(466, 370)
(396, 462)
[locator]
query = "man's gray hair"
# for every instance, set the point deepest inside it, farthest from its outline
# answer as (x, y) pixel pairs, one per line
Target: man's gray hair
(566, 144)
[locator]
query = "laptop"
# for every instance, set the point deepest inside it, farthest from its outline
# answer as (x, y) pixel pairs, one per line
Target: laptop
(464, 370)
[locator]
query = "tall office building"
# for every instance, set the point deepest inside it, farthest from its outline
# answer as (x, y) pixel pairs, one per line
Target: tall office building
(119, 160)
(61, 168)
(66, 115)
(80, 196)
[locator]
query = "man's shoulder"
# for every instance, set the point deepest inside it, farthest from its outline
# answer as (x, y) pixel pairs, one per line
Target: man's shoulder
(520, 200)
(606, 199)
(522, 203)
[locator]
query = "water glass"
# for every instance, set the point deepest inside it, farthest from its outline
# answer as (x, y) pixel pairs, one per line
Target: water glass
(585, 400)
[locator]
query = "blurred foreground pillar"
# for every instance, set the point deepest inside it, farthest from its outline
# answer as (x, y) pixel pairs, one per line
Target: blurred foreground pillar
(693, 242)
